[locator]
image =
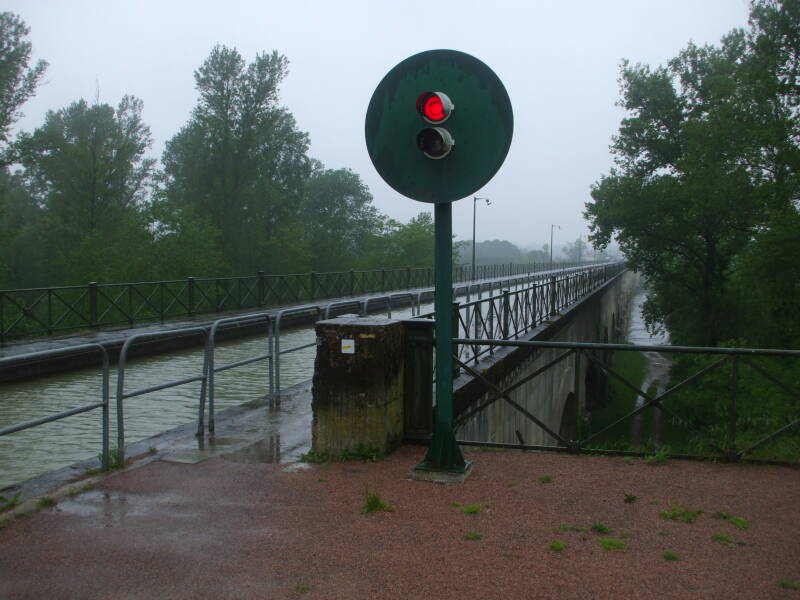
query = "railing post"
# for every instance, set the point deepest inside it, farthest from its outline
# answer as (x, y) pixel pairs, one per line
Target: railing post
(313, 285)
(731, 445)
(408, 278)
(506, 311)
(93, 304)
(352, 283)
(383, 280)
(552, 295)
(456, 333)
(190, 293)
(262, 288)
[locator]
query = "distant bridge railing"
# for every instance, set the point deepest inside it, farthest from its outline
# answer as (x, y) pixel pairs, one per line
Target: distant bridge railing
(48, 311)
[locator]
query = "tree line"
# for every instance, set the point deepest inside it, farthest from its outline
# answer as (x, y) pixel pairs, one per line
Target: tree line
(235, 191)
(704, 197)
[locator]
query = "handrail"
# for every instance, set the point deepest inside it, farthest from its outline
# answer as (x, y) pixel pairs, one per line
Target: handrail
(121, 395)
(21, 358)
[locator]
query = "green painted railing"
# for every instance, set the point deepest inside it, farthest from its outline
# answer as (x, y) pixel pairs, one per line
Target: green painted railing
(37, 312)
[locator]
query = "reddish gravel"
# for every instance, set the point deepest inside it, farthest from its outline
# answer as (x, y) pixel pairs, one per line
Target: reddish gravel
(223, 529)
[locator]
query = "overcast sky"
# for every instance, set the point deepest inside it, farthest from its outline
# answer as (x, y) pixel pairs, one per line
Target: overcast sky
(559, 62)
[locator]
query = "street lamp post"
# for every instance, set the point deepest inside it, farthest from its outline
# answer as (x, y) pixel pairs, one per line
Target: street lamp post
(474, 202)
(551, 244)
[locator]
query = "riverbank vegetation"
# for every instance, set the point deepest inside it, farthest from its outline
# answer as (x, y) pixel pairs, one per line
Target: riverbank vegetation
(704, 201)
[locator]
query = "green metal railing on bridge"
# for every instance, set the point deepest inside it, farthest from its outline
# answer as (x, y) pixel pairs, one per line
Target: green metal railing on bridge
(47, 311)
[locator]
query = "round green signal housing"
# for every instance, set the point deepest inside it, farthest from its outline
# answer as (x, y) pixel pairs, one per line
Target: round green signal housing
(418, 112)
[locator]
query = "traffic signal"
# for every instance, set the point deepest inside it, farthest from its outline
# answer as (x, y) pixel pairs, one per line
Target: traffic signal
(435, 108)
(419, 111)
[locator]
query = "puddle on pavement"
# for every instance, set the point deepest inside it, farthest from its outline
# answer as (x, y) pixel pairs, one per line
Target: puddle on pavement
(263, 451)
(107, 508)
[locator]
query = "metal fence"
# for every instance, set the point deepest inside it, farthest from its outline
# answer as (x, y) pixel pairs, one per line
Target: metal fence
(47, 311)
(731, 433)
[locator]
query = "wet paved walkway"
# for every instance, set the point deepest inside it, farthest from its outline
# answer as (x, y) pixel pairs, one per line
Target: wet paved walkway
(239, 525)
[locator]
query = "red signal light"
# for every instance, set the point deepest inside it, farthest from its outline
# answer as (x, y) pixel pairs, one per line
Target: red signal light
(435, 107)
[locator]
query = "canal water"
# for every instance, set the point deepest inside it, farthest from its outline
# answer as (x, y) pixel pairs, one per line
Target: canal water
(55, 445)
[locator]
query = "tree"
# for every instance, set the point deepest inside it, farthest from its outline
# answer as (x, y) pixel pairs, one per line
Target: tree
(240, 163)
(683, 200)
(576, 251)
(17, 81)
(338, 216)
(86, 168)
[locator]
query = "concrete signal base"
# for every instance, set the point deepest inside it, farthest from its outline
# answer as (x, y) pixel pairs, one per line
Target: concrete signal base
(358, 385)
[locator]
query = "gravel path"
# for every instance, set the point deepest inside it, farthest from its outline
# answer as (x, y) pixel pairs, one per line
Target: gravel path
(225, 529)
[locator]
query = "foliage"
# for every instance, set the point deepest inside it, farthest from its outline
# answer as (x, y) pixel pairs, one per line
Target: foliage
(471, 535)
(672, 556)
(472, 509)
(612, 544)
(557, 545)
(374, 503)
(724, 540)
(8, 503)
(545, 479)
(706, 177)
(361, 452)
(685, 514)
(17, 81)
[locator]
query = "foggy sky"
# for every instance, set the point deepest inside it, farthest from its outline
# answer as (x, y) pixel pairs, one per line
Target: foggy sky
(558, 61)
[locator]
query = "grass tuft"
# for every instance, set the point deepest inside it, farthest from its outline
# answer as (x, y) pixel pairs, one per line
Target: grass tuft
(789, 584)
(361, 452)
(739, 523)
(724, 540)
(545, 479)
(9, 503)
(46, 502)
(657, 459)
(572, 528)
(684, 514)
(630, 498)
(600, 528)
(374, 503)
(473, 536)
(612, 544)
(302, 588)
(314, 458)
(557, 545)
(472, 509)
(671, 556)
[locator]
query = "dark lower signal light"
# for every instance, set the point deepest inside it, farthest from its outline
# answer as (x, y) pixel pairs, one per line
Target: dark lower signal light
(435, 142)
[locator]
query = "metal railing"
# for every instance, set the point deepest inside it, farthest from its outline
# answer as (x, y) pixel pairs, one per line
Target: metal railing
(47, 311)
(273, 323)
(728, 448)
(104, 394)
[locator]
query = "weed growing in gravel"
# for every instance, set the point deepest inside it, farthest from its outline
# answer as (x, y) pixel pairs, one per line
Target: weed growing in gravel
(374, 503)
(664, 533)
(683, 514)
(314, 457)
(473, 536)
(361, 452)
(557, 545)
(789, 584)
(546, 479)
(725, 540)
(302, 588)
(572, 528)
(511, 484)
(654, 502)
(321, 480)
(472, 509)
(46, 502)
(738, 522)
(151, 450)
(71, 492)
(671, 556)
(9, 503)
(612, 544)
(600, 528)
(658, 459)
(628, 460)
(630, 498)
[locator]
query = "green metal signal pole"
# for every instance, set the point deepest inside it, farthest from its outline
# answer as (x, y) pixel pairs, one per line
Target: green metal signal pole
(444, 453)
